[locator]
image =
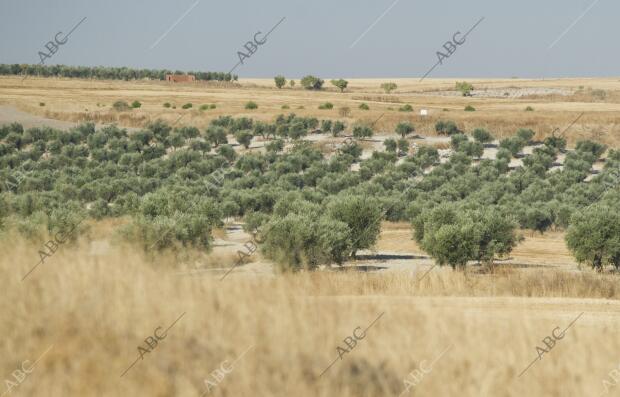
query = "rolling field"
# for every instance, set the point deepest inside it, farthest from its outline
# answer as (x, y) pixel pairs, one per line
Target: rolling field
(556, 103)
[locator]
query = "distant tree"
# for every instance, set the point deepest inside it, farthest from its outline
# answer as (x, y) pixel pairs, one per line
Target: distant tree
(481, 135)
(362, 131)
(389, 87)
(280, 81)
(326, 126)
(275, 146)
(454, 237)
(297, 130)
(244, 137)
(446, 128)
(292, 83)
(591, 147)
(555, 142)
(464, 87)
(216, 135)
(526, 135)
(340, 84)
(312, 83)
(404, 128)
(514, 144)
(390, 145)
(338, 127)
(403, 147)
(228, 152)
(362, 215)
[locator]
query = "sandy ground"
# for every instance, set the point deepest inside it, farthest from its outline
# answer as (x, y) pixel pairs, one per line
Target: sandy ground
(396, 251)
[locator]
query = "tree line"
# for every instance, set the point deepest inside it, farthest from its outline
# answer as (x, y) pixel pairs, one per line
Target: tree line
(105, 72)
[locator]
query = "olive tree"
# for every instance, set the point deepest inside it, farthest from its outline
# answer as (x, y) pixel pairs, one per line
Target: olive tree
(593, 236)
(404, 128)
(340, 84)
(388, 87)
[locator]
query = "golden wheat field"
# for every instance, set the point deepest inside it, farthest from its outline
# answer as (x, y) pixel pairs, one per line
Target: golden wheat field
(117, 321)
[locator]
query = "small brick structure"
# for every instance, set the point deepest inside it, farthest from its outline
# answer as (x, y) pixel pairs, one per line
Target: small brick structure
(180, 78)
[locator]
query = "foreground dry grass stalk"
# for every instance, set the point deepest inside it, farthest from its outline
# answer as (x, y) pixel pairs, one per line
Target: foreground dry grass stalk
(95, 311)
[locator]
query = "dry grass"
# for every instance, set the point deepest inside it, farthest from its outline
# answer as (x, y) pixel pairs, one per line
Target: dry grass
(95, 311)
(77, 100)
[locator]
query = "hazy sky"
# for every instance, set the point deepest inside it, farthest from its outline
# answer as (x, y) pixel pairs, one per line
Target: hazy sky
(316, 36)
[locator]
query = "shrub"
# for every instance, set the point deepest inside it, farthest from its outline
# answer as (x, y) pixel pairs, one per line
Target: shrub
(311, 83)
(167, 105)
(344, 111)
(470, 108)
(388, 87)
(212, 106)
(187, 106)
(284, 107)
(204, 107)
(136, 104)
(406, 108)
(41, 103)
(529, 109)
(121, 106)
(326, 105)
(280, 81)
(251, 105)
(364, 106)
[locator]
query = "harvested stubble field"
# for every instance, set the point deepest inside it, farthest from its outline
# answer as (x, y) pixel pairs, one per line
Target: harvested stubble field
(480, 327)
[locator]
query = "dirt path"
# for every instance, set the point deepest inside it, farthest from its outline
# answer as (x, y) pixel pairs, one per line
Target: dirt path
(10, 114)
